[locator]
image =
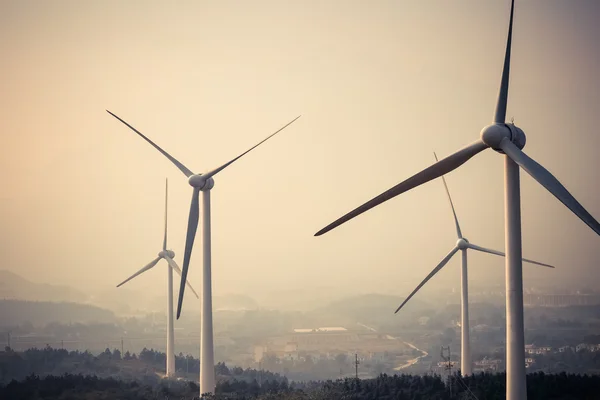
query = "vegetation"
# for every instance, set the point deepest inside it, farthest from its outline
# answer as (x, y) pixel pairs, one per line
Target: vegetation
(484, 386)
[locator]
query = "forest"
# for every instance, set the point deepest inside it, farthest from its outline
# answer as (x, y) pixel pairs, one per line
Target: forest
(540, 386)
(57, 374)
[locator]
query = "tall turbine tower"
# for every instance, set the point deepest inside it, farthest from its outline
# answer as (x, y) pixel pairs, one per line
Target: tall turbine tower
(463, 245)
(509, 140)
(201, 183)
(168, 256)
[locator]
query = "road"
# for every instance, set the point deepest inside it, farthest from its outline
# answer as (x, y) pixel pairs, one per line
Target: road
(414, 360)
(409, 362)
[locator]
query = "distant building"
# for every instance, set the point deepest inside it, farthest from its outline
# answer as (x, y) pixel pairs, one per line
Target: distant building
(587, 347)
(533, 349)
(481, 328)
(320, 330)
(561, 300)
(487, 365)
(377, 356)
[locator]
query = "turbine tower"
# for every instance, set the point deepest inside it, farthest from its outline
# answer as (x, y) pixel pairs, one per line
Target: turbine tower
(201, 183)
(463, 245)
(509, 140)
(168, 256)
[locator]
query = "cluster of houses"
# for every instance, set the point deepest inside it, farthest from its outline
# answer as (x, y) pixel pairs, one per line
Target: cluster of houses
(533, 349)
(494, 365)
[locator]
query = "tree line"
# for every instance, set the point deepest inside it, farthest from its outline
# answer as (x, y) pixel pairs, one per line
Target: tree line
(540, 386)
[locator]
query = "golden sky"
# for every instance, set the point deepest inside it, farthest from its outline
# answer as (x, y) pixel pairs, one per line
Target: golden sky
(380, 85)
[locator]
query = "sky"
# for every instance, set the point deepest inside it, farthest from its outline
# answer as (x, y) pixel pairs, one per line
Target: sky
(380, 86)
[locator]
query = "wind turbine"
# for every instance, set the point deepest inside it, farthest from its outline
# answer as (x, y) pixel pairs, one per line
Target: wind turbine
(168, 256)
(504, 138)
(201, 183)
(463, 245)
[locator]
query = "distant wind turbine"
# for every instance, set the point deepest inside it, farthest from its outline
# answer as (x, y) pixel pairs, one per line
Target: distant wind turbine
(504, 138)
(168, 256)
(201, 183)
(463, 245)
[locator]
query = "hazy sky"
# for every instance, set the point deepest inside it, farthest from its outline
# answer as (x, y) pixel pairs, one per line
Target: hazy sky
(380, 86)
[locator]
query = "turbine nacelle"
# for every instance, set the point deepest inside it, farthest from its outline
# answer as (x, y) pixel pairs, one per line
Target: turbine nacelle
(462, 244)
(167, 253)
(201, 182)
(493, 134)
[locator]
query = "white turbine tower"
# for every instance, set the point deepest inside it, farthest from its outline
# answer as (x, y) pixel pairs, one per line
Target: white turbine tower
(167, 255)
(201, 183)
(463, 245)
(504, 138)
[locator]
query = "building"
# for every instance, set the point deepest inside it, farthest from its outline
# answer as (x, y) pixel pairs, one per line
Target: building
(487, 365)
(561, 300)
(529, 362)
(533, 349)
(587, 347)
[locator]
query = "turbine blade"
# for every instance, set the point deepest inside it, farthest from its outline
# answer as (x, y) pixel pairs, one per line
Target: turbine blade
(499, 253)
(458, 232)
(189, 243)
(179, 165)
(438, 169)
(547, 180)
(500, 114)
(431, 274)
(222, 167)
(166, 202)
(176, 268)
(146, 268)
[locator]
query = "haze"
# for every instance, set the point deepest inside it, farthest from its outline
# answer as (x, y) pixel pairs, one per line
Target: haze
(380, 87)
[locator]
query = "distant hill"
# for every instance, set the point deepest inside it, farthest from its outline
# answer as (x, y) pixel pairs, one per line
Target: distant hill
(122, 301)
(13, 286)
(38, 313)
(374, 310)
(234, 302)
(297, 299)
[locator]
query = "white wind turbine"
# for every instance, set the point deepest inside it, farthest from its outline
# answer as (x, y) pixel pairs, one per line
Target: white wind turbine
(504, 138)
(168, 256)
(463, 245)
(201, 183)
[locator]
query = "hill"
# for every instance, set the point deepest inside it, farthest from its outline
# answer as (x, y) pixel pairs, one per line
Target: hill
(13, 286)
(374, 310)
(38, 313)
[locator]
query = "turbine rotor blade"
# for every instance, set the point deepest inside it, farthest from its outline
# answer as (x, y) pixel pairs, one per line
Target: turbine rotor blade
(179, 165)
(499, 253)
(458, 232)
(166, 202)
(500, 114)
(547, 180)
(176, 268)
(222, 167)
(431, 274)
(438, 169)
(146, 268)
(189, 243)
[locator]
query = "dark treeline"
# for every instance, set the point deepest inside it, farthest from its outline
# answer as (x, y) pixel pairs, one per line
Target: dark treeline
(398, 387)
(129, 366)
(17, 312)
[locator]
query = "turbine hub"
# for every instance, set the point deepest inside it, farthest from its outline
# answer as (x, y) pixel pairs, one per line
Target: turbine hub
(462, 244)
(166, 253)
(493, 134)
(201, 182)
